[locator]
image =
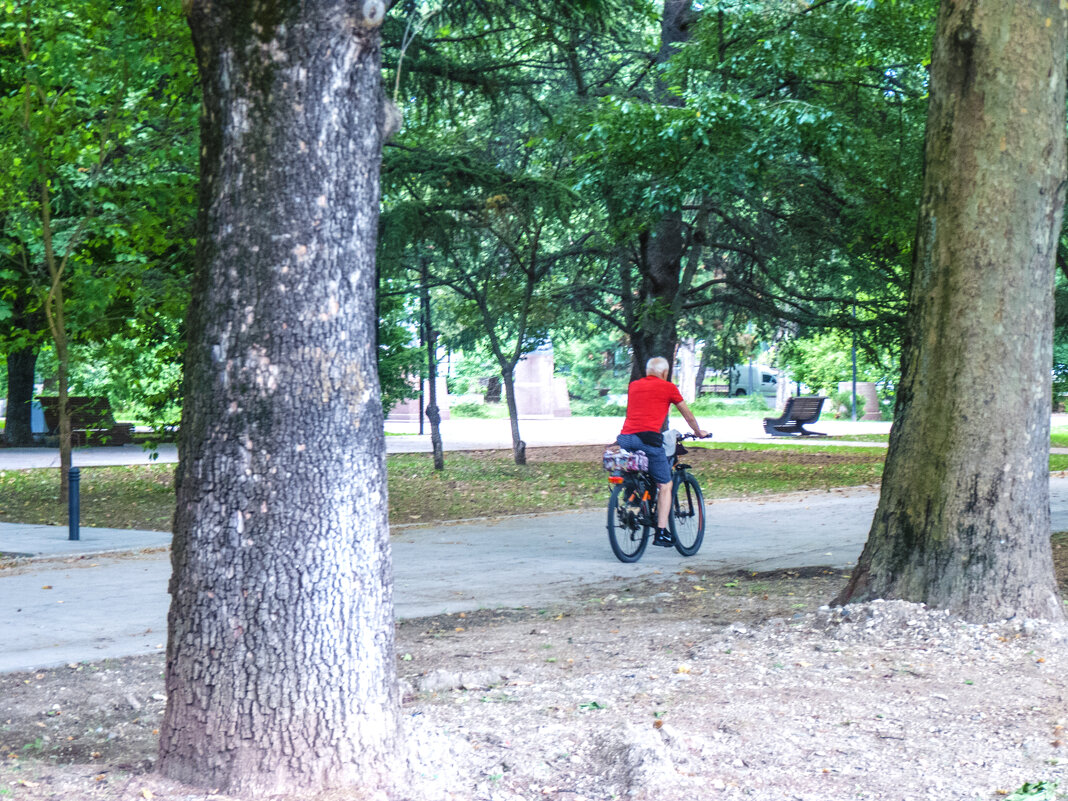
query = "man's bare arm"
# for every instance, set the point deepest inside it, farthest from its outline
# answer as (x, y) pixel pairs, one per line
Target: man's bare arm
(687, 415)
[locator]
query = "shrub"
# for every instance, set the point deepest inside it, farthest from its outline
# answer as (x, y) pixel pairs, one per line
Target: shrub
(842, 403)
(469, 410)
(597, 408)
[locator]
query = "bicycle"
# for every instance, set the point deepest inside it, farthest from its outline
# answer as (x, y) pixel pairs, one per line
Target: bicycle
(632, 507)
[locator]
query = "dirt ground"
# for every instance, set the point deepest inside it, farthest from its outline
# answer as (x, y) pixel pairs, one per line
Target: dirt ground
(689, 686)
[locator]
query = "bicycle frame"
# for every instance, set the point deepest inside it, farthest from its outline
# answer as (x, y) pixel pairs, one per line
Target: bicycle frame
(644, 493)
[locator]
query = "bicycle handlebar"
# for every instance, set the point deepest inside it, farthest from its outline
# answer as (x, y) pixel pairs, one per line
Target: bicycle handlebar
(694, 436)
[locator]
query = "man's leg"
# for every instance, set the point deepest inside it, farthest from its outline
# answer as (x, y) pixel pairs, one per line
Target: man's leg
(663, 505)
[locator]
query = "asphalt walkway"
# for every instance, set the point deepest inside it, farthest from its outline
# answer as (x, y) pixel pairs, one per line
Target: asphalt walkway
(84, 601)
(464, 434)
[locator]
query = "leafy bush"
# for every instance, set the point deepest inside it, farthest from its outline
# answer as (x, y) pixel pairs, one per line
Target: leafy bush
(597, 408)
(842, 403)
(712, 406)
(469, 410)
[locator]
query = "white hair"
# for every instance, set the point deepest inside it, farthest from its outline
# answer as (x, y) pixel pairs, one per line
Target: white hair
(657, 365)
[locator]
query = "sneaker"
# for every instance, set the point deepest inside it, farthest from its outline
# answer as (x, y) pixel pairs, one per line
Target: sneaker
(663, 537)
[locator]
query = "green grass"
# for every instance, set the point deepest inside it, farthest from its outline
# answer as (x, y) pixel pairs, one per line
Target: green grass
(752, 406)
(863, 438)
(1059, 436)
(472, 485)
(790, 446)
(112, 497)
(488, 411)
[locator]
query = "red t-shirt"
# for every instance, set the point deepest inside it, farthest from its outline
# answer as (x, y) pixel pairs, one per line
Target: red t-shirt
(648, 400)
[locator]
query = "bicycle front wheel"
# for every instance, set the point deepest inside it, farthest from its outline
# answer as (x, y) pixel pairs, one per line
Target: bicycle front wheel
(626, 534)
(687, 515)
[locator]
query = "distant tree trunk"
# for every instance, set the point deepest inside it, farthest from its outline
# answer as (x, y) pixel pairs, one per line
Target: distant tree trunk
(686, 378)
(21, 366)
(433, 414)
(280, 668)
(57, 324)
(702, 369)
(519, 448)
(963, 521)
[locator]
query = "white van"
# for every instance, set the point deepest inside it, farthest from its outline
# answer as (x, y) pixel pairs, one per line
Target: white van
(753, 379)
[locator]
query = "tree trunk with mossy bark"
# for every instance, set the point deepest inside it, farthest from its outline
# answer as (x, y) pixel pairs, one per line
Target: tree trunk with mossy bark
(280, 668)
(963, 521)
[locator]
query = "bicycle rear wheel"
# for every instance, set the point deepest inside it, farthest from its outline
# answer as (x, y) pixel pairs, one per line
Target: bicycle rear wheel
(626, 534)
(687, 515)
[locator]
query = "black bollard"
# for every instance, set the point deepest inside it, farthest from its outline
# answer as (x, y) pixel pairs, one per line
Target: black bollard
(74, 503)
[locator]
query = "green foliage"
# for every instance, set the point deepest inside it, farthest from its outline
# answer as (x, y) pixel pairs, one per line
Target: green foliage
(1036, 791)
(598, 407)
(399, 356)
(842, 404)
(98, 148)
(823, 359)
(709, 406)
(596, 364)
(793, 146)
(470, 410)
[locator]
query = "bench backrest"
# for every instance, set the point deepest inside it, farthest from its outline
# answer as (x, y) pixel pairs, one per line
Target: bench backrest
(803, 409)
(93, 411)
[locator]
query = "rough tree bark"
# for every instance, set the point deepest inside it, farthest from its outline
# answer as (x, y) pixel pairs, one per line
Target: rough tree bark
(963, 520)
(280, 660)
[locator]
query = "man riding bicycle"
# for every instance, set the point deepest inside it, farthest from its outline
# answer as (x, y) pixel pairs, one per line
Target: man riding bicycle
(648, 401)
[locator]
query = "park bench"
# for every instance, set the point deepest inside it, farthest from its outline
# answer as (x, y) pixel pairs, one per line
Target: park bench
(799, 412)
(91, 421)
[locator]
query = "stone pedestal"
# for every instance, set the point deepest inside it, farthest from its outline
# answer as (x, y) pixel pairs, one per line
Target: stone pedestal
(538, 393)
(408, 411)
(866, 390)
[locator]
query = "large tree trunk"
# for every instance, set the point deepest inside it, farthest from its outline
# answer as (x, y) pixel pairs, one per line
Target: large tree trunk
(21, 365)
(661, 254)
(963, 521)
(662, 247)
(280, 660)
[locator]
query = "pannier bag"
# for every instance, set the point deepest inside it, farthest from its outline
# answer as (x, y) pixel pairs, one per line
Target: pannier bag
(618, 461)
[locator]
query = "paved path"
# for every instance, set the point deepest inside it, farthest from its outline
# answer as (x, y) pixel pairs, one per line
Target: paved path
(460, 435)
(109, 606)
